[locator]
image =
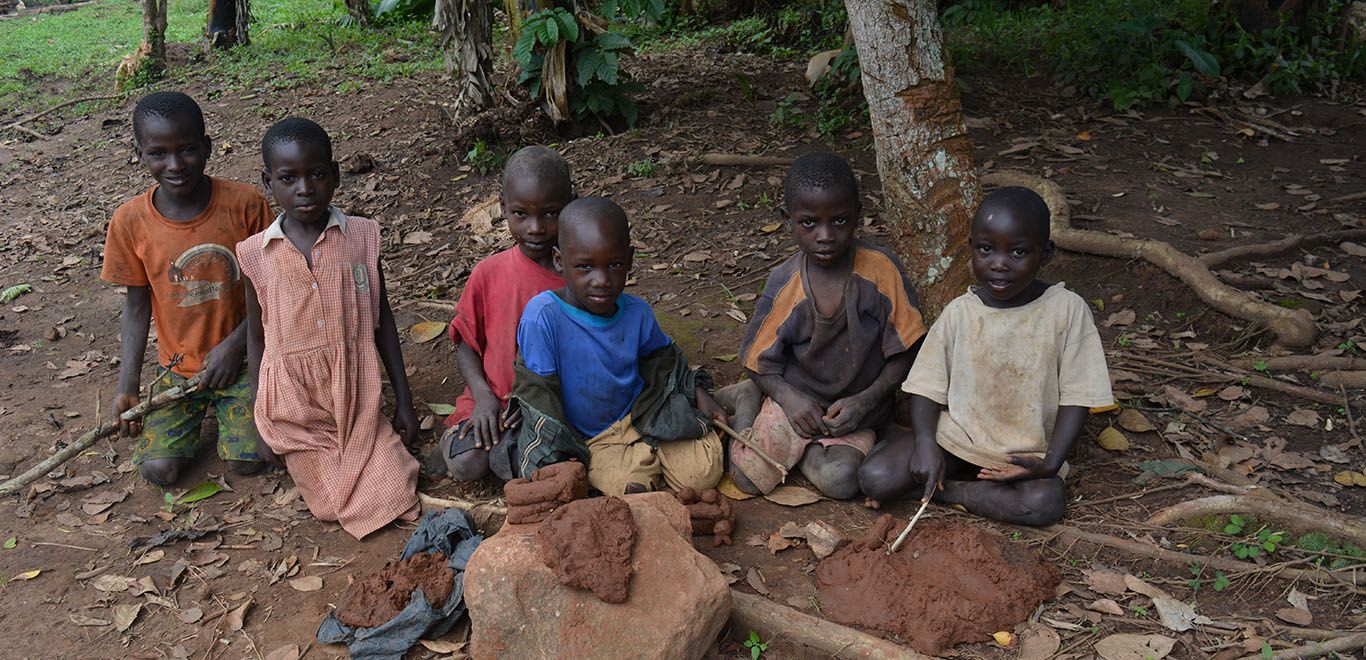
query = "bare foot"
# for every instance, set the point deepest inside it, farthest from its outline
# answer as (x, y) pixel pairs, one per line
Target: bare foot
(872, 503)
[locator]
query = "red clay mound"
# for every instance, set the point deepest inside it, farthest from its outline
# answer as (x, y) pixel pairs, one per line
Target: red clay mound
(374, 599)
(949, 583)
(588, 544)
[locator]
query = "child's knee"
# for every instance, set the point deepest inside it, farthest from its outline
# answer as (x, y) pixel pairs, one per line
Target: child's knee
(1042, 502)
(470, 465)
(833, 470)
(161, 471)
(743, 483)
(882, 478)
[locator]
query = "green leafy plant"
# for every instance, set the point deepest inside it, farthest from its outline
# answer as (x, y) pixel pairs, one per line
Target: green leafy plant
(787, 114)
(642, 168)
(1264, 541)
(201, 492)
(755, 645)
(1221, 581)
(598, 86)
(485, 159)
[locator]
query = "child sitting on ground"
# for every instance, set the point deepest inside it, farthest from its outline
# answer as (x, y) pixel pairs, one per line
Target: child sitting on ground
(594, 364)
(1004, 381)
(319, 327)
(481, 433)
(172, 248)
(833, 334)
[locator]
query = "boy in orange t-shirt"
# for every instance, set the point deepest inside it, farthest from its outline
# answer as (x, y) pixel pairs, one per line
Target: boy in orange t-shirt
(172, 247)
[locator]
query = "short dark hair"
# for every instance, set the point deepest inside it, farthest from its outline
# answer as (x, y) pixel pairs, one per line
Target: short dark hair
(542, 163)
(167, 105)
(819, 170)
(297, 130)
(1022, 203)
(605, 212)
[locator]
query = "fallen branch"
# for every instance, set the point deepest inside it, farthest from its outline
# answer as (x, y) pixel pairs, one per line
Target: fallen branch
(1292, 327)
(1216, 259)
(430, 502)
(776, 622)
(1303, 363)
(1348, 198)
(1304, 517)
(1352, 379)
(1265, 383)
(1318, 649)
(18, 123)
(1319, 576)
(161, 400)
(740, 160)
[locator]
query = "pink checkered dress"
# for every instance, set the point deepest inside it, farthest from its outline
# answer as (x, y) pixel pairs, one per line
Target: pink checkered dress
(318, 403)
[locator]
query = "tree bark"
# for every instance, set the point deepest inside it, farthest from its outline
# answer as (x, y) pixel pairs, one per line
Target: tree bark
(359, 10)
(227, 25)
(924, 156)
(152, 54)
(466, 28)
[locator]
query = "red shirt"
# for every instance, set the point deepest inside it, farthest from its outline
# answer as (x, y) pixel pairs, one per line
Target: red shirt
(487, 315)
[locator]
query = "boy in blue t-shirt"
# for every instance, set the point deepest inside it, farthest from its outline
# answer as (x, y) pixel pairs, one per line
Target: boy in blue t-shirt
(595, 364)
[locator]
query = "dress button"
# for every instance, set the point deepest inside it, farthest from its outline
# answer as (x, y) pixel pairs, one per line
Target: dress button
(315, 285)
(320, 323)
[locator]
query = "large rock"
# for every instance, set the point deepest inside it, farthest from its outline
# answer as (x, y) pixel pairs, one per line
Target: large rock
(677, 605)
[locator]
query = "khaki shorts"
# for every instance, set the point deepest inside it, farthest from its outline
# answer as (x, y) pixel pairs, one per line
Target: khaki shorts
(618, 456)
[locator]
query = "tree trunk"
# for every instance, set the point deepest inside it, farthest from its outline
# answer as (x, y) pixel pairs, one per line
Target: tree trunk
(152, 53)
(466, 28)
(924, 156)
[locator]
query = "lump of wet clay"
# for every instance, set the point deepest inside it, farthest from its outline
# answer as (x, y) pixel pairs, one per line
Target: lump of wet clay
(376, 598)
(710, 512)
(949, 583)
(532, 500)
(588, 544)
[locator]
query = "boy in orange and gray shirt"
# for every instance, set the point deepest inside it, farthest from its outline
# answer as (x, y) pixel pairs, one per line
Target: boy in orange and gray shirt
(172, 247)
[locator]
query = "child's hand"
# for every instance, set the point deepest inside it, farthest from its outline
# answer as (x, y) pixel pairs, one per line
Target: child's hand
(710, 408)
(845, 414)
(512, 417)
(222, 364)
(805, 415)
(1020, 467)
(127, 428)
(405, 423)
(485, 424)
(927, 465)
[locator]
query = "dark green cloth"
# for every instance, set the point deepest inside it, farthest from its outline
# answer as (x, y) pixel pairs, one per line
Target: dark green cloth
(663, 412)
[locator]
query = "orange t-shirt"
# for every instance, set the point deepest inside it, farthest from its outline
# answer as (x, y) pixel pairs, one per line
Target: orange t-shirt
(197, 292)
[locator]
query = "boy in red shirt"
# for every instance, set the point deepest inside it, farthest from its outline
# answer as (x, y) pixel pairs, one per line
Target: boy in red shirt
(481, 432)
(172, 247)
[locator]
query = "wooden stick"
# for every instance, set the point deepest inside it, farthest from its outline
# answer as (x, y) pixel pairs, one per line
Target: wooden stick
(430, 502)
(745, 441)
(1318, 576)
(1216, 259)
(779, 623)
(896, 545)
(1271, 383)
(740, 160)
(1296, 515)
(1353, 379)
(161, 400)
(1303, 363)
(1318, 649)
(103, 97)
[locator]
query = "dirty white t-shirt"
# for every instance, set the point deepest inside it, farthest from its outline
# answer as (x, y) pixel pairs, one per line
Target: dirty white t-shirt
(1002, 373)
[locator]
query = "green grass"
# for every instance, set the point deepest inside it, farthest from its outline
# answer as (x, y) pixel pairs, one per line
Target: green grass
(49, 57)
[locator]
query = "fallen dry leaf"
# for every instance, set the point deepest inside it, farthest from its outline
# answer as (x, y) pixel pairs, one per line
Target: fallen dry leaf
(1039, 642)
(1254, 416)
(82, 620)
(756, 581)
(1003, 637)
(125, 615)
(291, 652)
(1105, 606)
(309, 583)
(427, 330)
(1121, 318)
(439, 646)
(238, 617)
(1353, 249)
(730, 571)
(1106, 582)
(1350, 478)
(150, 558)
(778, 543)
(1134, 421)
(728, 488)
(108, 582)
(1184, 401)
(1111, 439)
(1174, 614)
(419, 237)
(1304, 417)
(1295, 616)
(1127, 646)
(1232, 393)
(191, 615)
(792, 496)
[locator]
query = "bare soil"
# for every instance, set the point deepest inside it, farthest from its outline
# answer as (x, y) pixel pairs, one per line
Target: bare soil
(705, 239)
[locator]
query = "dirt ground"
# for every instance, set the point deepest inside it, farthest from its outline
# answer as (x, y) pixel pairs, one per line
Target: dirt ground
(1201, 178)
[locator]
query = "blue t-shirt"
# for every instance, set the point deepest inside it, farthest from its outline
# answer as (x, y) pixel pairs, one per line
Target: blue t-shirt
(596, 357)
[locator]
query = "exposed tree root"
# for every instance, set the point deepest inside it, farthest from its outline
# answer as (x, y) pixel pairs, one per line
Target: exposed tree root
(1217, 259)
(827, 639)
(1352, 379)
(1295, 515)
(1342, 644)
(1322, 577)
(1303, 363)
(1293, 328)
(1265, 383)
(740, 160)
(161, 400)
